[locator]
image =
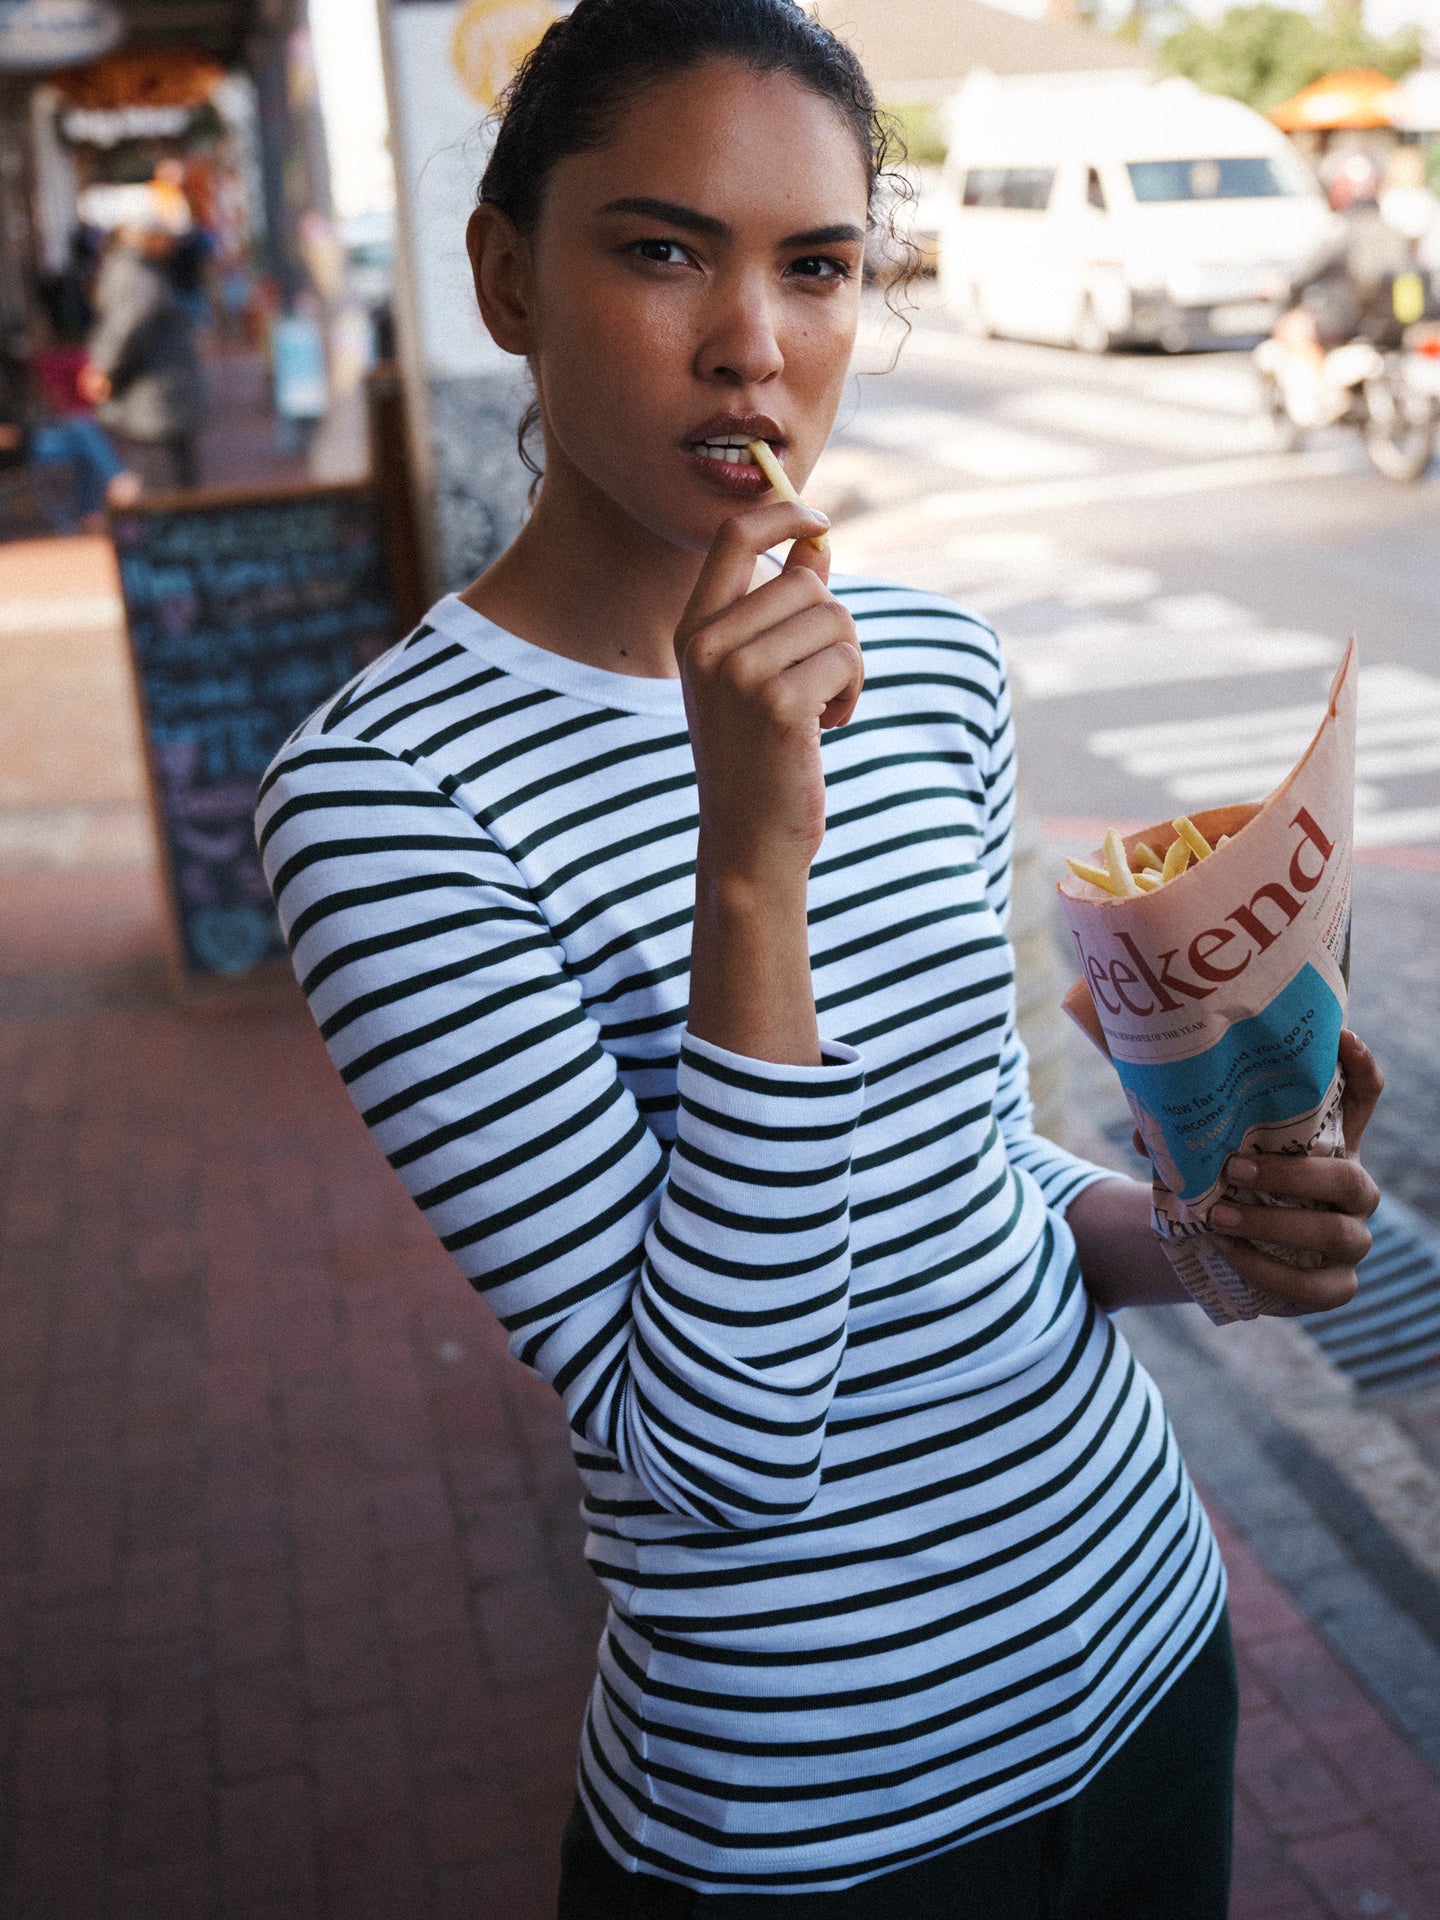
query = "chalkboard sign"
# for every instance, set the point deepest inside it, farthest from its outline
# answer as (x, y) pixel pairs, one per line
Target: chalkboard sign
(246, 611)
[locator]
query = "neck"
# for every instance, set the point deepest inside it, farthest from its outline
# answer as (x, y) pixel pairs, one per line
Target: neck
(585, 580)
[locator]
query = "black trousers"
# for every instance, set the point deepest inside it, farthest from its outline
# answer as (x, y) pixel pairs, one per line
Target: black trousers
(1147, 1839)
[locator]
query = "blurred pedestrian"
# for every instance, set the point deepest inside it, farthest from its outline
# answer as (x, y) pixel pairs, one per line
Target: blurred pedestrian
(33, 437)
(144, 378)
(913, 1610)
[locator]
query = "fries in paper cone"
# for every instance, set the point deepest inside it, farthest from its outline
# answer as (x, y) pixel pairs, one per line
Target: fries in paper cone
(1218, 988)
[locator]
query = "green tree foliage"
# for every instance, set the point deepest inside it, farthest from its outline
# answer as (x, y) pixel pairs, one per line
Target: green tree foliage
(1262, 54)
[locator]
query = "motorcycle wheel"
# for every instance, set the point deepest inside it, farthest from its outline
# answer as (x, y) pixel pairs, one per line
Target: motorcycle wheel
(1399, 432)
(1286, 437)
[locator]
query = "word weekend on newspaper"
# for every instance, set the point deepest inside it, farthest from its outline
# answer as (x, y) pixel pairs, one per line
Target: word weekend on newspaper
(1220, 995)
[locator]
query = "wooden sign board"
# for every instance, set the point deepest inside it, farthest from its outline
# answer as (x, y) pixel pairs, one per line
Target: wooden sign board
(245, 611)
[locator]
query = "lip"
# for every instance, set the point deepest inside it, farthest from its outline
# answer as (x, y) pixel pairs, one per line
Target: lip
(729, 479)
(754, 426)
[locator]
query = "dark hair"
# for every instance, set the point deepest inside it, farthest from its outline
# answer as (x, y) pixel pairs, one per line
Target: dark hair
(572, 87)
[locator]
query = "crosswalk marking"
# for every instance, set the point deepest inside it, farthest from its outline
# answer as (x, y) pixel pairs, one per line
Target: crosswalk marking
(1244, 756)
(1111, 655)
(979, 448)
(1131, 420)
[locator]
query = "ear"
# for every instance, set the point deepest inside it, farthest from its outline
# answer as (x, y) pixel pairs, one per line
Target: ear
(500, 262)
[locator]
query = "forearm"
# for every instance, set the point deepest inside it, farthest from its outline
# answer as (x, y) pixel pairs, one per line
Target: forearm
(1121, 1259)
(750, 986)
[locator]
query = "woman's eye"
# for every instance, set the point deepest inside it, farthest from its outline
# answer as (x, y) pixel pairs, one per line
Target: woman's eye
(820, 266)
(664, 253)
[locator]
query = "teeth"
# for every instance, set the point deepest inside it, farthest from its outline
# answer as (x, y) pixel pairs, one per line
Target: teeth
(732, 452)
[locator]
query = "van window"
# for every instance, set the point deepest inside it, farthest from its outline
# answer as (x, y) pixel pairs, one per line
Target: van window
(1095, 190)
(1245, 179)
(1017, 189)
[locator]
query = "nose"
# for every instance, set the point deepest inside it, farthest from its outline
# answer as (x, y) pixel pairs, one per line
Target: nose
(740, 346)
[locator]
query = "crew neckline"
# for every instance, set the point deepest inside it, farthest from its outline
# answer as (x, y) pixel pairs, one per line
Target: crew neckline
(629, 692)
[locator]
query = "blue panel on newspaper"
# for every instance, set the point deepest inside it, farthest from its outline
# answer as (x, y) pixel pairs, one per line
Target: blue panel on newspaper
(1265, 1071)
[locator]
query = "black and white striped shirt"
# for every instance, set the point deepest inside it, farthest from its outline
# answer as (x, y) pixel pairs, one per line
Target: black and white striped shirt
(897, 1541)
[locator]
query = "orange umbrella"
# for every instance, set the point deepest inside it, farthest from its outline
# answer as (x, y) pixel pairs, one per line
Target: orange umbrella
(1357, 97)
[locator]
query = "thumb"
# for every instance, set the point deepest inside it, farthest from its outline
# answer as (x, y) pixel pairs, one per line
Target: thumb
(1364, 1083)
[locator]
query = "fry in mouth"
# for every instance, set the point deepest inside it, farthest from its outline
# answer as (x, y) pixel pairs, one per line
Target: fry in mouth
(780, 481)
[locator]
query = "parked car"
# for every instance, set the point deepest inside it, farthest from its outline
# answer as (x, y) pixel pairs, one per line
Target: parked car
(1096, 211)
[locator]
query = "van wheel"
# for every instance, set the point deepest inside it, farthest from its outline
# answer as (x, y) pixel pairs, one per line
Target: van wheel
(1090, 333)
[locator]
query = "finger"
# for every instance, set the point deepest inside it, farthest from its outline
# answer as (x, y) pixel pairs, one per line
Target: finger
(781, 650)
(1364, 1083)
(1322, 1180)
(1313, 1290)
(805, 553)
(729, 567)
(827, 683)
(768, 609)
(1341, 1237)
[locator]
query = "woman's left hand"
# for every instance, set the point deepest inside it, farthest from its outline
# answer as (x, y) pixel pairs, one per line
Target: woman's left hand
(1339, 1198)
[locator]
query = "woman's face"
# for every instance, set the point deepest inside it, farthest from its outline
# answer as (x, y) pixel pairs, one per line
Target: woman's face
(695, 283)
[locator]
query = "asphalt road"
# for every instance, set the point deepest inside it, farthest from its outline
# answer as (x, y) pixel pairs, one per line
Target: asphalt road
(1173, 596)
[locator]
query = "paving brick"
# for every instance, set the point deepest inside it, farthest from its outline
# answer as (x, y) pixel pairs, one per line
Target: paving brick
(466, 1813)
(1358, 1871)
(380, 1854)
(59, 1870)
(513, 1884)
(1292, 1786)
(77, 1547)
(360, 1764)
(267, 1839)
(1263, 1878)
(163, 1798)
(259, 1722)
(346, 1664)
(424, 1593)
(410, 1512)
(163, 1683)
(252, 1621)
(165, 1890)
(63, 1756)
(160, 1595)
(447, 1700)
(70, 1648)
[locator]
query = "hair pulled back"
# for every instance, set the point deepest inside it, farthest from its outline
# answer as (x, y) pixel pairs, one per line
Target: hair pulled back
(572, 88)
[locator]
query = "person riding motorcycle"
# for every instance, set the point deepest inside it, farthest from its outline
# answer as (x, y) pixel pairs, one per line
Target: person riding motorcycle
(1346, 291)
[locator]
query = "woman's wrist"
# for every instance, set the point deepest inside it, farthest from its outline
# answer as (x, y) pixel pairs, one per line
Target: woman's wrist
(750, 986)
(1121, 1259)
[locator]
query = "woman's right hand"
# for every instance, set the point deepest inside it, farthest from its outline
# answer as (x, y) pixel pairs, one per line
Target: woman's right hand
(764, 672)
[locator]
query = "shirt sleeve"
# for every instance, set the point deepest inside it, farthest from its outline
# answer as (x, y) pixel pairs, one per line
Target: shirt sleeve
(1060, 1175)
(689, 1307)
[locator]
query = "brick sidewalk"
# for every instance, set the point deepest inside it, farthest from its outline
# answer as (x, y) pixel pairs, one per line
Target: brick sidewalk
(293, 1619)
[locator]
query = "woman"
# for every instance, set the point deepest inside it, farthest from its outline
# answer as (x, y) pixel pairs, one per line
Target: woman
(912, 1607)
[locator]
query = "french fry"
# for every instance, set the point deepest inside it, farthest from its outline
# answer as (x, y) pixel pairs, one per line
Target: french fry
(1122, 881)
(1177, 858)
(780, 480)
(1149, 881)
(1097, 876)
(1144, 859)
(1193, 838)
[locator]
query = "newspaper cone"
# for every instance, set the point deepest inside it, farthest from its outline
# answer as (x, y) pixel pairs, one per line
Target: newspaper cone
(1220, 997)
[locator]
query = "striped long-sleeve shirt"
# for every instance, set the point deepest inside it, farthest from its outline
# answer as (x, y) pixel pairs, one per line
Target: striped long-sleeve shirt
(897, 1542)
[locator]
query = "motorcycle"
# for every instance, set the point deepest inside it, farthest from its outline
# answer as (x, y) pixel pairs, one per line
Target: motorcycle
(1392, 397)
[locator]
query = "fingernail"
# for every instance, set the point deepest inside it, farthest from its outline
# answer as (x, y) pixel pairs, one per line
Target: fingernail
(1225, 1215)
(1245, 1172)
(814, 513)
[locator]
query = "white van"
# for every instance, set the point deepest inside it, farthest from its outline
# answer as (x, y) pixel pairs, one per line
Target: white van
(1095, 210)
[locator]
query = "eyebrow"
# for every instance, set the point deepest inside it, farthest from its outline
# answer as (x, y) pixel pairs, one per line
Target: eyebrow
(691, 220)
